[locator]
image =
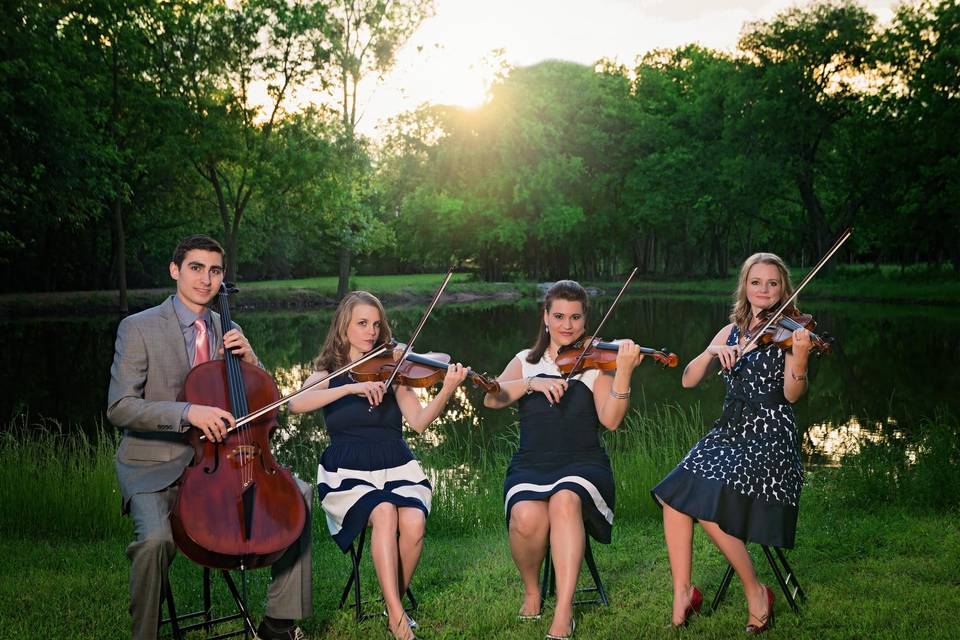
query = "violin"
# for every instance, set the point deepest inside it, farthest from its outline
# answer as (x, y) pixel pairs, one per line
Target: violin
(603, 355)
(236, 507)
(780, 332)
(417, 370)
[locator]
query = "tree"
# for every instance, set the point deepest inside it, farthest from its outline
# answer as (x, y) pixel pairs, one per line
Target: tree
(222, 53)
(809, 63)
(364, 37)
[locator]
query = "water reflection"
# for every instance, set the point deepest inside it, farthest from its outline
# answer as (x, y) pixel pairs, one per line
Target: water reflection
(887, 372)
(826, 443)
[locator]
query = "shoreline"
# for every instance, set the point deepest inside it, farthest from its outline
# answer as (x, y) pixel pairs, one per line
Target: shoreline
(399, 291)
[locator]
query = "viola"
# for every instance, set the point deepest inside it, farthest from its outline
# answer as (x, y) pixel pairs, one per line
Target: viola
(236, 507)
(780, 332)
(417, 370)
(602, 355)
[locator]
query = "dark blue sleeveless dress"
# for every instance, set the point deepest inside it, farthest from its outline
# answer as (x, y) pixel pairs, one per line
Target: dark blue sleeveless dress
(745, 474)
(560, 449)
(367, 462)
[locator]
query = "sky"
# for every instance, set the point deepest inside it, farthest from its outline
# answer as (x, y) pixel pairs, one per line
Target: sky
(450, 59)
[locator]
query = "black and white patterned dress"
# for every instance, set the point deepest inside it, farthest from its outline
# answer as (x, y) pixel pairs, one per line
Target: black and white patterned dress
(560, 449)
(367, 463)
(745, 474)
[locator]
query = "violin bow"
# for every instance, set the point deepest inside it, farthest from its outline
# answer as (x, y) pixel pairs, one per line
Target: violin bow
(596, 331)
(806, 280)
(253, 415)
(416, 332)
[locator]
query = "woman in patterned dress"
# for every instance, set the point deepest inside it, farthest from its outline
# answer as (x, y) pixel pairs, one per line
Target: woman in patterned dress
(368, 476)
(559, 485)
(742, 480)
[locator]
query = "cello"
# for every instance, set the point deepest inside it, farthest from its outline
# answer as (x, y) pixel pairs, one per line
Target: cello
(237, 508)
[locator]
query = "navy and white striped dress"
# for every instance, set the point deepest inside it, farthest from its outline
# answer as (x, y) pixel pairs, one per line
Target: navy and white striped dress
(367, 463)
(560, 449)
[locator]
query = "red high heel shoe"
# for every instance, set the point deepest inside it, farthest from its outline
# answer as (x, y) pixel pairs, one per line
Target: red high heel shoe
(696, 602)
(766, 622)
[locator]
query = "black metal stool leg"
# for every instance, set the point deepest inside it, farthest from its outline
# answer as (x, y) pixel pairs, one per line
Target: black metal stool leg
(548, 584)
(241, 606)
(592, 566)
(722, 591)
(171, 610)
(356, 555)
(784, 576)
(546, 578)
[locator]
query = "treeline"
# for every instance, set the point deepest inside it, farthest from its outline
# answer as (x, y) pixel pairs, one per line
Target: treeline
(126, 124)
(693, 158)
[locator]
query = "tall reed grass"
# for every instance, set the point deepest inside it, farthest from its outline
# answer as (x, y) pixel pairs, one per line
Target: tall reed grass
(57, 482)
(921, 471)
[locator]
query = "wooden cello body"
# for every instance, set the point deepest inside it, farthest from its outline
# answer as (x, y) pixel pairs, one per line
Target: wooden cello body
(237, 508)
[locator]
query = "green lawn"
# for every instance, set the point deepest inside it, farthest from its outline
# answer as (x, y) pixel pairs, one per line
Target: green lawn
(867, 574)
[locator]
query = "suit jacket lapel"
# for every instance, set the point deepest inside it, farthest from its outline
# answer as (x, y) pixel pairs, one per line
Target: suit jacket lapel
(173, 336)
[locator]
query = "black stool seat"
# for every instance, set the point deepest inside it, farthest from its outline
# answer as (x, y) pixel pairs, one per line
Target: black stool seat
(178, 630)
(786, 578)
(356, 553)
(548, 585)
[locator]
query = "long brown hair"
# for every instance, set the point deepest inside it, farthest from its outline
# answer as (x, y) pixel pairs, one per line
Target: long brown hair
(740, 312)
(561, 290)
(336, 349)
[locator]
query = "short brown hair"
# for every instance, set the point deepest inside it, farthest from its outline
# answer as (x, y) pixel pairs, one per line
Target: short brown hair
(196, 241)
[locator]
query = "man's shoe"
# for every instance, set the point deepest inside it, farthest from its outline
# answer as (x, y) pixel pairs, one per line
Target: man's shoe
(266, 632)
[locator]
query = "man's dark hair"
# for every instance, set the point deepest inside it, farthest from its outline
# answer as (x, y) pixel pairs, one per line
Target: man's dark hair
(198, 241)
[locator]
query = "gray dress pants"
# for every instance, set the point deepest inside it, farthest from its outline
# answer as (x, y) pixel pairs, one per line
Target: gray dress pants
(288, 596)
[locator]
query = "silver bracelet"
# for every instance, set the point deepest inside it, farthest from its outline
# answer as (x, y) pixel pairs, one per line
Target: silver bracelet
(798, 378)
(620, 396)
(529, 385)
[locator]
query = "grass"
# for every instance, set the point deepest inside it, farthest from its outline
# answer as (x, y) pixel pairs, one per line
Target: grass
(880, 569)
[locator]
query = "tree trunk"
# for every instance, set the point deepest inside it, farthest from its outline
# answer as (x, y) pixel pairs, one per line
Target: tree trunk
(118, 235)
(816, 219)
(231, 257)
(343, 283)
(120, 255)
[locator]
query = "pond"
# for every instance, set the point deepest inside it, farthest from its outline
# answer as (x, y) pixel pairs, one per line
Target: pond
(892, 365)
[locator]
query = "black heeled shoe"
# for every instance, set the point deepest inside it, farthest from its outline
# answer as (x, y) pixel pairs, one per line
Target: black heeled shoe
(766, 621)
(696, 603)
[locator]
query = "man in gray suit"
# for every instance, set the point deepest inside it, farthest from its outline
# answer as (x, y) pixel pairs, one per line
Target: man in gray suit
(155, 351)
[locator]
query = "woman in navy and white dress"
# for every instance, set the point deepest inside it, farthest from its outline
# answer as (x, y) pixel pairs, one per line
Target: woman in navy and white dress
(742, 480)
(559, 485)
(368, 475)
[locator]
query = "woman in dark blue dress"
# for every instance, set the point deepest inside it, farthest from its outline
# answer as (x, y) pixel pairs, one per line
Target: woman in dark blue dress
(368, 475)
(742, 480)
(559, 485)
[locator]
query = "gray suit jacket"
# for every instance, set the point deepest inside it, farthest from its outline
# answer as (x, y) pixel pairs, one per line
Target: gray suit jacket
(150, 364)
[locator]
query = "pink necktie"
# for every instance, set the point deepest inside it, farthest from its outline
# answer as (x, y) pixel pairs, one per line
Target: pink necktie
(203, 348)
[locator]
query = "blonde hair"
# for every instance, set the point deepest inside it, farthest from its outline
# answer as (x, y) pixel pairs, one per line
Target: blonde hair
(336, 349)
(740, 312)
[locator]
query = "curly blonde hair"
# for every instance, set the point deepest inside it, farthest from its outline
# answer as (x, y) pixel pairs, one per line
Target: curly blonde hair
(740, 313)
(336, 349)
